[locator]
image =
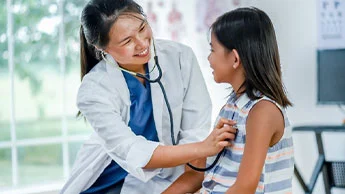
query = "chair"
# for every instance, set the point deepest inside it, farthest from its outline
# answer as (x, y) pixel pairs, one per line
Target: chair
(333, 172)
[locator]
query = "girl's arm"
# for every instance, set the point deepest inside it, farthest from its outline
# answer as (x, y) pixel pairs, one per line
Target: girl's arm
(171, 156)
(264, 128)
(190, 181)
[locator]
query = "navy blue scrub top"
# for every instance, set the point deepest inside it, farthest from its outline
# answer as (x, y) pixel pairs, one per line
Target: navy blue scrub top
(141, 122)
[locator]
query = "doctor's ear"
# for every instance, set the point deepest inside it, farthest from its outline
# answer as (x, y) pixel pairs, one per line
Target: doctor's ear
(237, 59)
(96, 47)
(100, 50)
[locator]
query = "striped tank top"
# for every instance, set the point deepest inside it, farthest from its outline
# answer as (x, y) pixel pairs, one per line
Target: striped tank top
(277, 172)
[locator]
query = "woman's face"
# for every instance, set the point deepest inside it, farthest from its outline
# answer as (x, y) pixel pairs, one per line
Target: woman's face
(221, 61)
(129, 43)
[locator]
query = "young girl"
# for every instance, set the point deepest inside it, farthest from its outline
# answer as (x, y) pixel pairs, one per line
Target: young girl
(244, 53)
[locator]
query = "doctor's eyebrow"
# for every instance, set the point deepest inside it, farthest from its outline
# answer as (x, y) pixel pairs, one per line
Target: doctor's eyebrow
(143, 23)
(140, 26)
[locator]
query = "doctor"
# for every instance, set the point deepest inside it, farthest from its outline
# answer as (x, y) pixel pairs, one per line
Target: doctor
(131, 149)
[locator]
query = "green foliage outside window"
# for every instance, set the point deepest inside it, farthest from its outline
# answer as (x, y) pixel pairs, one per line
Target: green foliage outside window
(29, 17)
(36, 26)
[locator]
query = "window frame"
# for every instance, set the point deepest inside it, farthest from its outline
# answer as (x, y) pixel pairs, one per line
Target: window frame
(63, 140)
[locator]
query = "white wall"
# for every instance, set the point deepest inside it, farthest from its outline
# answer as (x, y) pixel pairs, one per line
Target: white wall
(295, 25)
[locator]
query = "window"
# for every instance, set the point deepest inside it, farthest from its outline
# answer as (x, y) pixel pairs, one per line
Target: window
(40, 75)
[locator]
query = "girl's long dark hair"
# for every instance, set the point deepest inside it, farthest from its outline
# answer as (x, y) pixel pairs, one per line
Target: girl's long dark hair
(251, 32)
(97, 18)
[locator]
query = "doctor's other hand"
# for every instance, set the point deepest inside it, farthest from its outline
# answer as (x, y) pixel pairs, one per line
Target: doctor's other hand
(220, 137)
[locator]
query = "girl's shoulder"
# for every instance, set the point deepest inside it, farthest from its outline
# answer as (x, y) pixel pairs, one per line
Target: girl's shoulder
(273, 105)
(263, 106)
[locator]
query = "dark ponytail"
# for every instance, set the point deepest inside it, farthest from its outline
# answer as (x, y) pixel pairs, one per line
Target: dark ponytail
(87, 58)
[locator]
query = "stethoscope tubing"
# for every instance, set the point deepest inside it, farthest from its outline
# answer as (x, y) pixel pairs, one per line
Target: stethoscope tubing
(172, 134)
(158, 80)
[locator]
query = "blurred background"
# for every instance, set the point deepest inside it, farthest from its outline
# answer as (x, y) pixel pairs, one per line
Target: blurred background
(40, 75)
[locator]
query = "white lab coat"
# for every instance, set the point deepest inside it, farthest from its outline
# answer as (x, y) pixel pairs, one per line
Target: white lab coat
(103, 98)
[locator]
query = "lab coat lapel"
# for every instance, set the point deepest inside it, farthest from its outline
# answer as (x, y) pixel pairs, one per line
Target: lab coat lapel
(117, 79)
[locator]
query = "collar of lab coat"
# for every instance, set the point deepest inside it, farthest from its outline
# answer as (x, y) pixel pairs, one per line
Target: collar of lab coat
(118, 79)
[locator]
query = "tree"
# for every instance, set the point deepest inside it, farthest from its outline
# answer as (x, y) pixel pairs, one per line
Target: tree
(36, 38)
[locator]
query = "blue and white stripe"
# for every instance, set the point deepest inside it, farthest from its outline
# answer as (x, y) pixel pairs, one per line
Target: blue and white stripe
(277, 173)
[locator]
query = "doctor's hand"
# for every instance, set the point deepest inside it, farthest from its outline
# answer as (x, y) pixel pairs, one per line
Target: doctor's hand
(220, 137)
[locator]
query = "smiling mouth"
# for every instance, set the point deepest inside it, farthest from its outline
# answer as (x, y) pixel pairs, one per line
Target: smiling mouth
(144, 53)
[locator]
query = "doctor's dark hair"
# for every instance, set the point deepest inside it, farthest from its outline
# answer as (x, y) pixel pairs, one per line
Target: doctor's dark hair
(97, 18)
(251, 32)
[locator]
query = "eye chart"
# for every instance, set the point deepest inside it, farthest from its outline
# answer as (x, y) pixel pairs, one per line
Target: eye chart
(331, 24)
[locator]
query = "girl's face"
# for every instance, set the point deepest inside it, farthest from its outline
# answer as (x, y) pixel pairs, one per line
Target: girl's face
(221, 61)
(129, 43)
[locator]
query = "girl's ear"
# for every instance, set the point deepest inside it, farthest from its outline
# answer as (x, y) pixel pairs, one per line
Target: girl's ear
(237, 59)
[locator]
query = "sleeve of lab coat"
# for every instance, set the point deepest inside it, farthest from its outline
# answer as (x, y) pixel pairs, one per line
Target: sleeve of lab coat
(101, 107)
(197, 106)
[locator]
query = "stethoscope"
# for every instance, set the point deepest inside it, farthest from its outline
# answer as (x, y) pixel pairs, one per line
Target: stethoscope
(158, 80)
